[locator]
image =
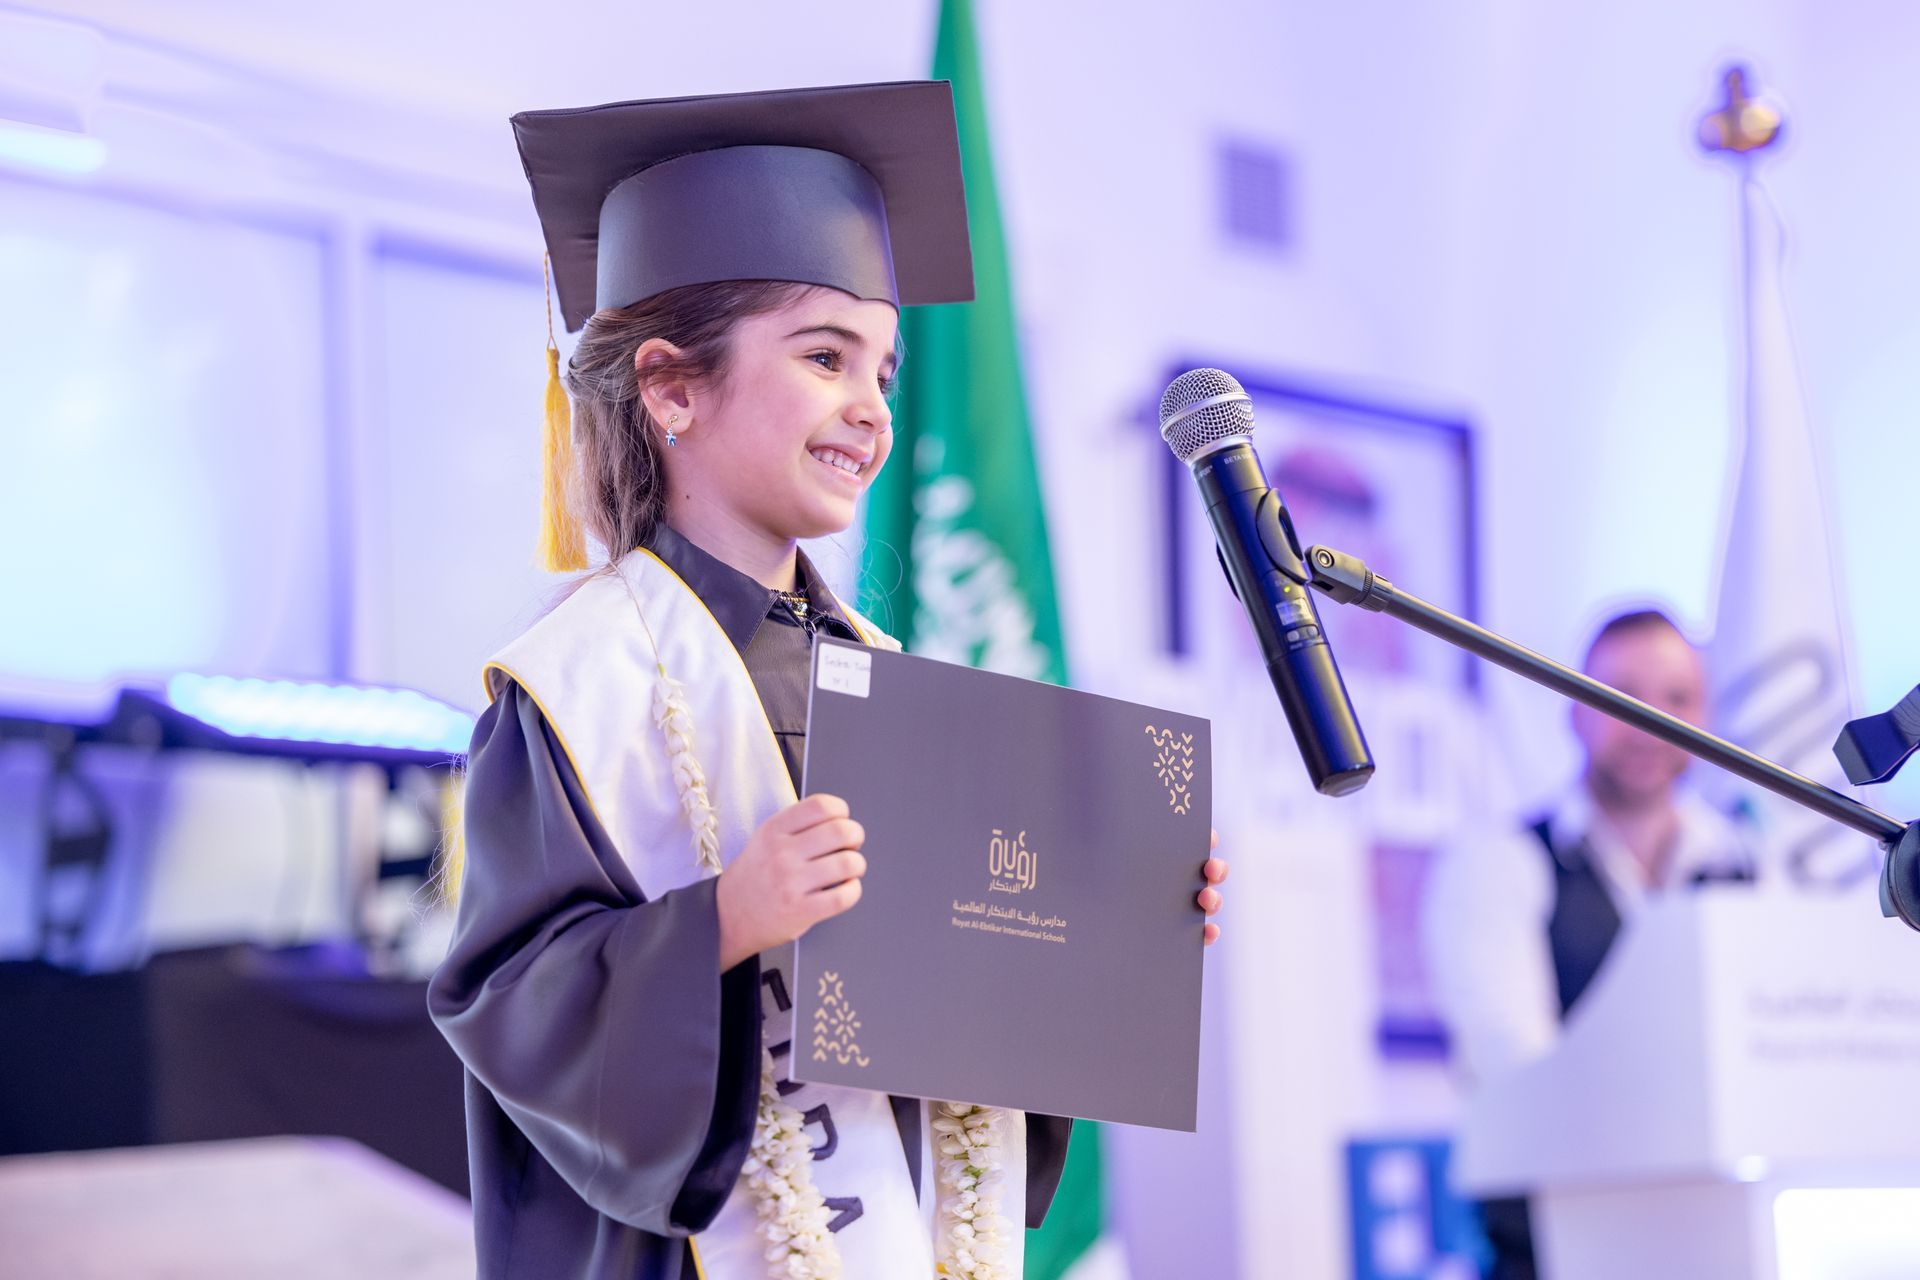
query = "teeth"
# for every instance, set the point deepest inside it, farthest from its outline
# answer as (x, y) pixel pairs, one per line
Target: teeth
(834, 458)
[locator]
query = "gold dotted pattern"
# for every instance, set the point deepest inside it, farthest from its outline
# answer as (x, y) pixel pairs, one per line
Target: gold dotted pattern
(835, 1025)
(1173, 764)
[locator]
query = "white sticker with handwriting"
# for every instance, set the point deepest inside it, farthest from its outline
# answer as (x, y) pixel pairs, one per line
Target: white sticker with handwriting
(846, 671)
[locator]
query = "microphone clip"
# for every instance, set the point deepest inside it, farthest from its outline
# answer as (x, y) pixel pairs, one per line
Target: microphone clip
(1346, 578)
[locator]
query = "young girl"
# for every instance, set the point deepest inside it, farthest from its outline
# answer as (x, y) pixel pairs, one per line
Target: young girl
(738, 263)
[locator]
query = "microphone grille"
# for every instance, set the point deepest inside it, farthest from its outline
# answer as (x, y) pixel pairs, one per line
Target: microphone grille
(1202, 407)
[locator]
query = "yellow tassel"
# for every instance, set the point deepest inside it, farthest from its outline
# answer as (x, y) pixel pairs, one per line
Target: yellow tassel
(453, 836)
(563, 548)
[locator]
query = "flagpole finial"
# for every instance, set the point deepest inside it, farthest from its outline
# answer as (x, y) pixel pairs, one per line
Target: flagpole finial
(1742, 124)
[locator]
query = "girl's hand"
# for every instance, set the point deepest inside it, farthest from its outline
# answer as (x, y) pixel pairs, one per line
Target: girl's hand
(802, 866)
(1215, 873)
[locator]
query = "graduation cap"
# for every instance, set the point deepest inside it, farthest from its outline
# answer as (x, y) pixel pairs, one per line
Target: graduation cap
(857, 187)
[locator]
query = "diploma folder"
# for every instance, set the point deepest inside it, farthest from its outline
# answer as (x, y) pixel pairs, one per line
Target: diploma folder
(1026, 935)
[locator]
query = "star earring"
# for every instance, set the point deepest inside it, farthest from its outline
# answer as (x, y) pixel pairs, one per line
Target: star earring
(672, 439)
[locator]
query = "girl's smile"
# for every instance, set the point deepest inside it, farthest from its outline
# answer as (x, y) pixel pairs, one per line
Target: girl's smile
(846, 463)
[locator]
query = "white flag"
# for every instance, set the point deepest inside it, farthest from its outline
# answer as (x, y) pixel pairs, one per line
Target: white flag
(1780, 655)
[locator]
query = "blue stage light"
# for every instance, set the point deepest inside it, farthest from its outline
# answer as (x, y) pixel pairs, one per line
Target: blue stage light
(310, 711)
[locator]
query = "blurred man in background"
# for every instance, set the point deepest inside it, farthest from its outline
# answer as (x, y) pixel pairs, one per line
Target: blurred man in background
(1517, 924)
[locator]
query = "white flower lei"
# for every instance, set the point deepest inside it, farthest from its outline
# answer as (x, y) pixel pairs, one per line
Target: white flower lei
(675, 718)
(792, 1213)
(973, 1231)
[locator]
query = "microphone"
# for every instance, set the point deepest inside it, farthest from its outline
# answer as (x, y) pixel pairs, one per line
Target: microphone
(1206, 418)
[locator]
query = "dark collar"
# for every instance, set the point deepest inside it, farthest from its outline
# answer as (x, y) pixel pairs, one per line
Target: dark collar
(738, 602)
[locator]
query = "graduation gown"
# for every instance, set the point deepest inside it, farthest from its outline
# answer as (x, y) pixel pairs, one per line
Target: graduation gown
(612, 1069)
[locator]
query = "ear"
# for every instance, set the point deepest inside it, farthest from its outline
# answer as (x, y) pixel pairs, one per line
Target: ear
(663, 398)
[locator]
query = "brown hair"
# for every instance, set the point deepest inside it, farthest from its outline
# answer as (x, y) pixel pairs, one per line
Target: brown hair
(622, 494)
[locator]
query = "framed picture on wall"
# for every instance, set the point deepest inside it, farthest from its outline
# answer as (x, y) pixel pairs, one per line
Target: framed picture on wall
(1392, 483)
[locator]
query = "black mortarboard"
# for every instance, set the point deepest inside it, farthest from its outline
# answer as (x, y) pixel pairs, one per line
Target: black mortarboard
(853, 186)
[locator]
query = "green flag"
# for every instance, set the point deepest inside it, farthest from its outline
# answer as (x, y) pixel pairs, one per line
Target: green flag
(956, 559)
(956, 535)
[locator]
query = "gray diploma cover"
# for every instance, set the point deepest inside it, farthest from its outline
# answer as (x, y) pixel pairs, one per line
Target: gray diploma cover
(1027, 935)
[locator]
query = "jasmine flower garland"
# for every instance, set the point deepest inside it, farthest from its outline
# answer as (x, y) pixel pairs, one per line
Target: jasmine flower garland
(791, 1211)
(973, 1233)
(675, 718)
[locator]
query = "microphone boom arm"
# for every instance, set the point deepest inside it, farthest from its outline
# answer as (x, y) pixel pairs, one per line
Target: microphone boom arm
(1348, 581)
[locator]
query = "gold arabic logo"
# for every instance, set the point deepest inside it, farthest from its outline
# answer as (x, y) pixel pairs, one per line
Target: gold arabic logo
(834, 1024)
(1014, 866)
(1174, 765)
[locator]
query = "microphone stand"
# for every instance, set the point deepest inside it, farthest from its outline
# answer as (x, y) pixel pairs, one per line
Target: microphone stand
(1348, 581)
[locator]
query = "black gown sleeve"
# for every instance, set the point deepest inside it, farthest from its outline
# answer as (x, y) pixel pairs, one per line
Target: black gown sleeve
(1046, 1161)
(597, 1021)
